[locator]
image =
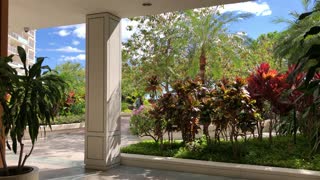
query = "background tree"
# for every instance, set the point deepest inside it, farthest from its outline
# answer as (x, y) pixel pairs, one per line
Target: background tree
(290, 41)
(171, 46)
(208, 33)
(74, 76)
(154, 50)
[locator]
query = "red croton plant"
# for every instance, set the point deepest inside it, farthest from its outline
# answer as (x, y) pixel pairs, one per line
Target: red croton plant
(267, 84)
(282, 92)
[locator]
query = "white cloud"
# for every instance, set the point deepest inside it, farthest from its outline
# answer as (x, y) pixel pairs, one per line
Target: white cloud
(258, 8)
(69, 49)
(78, 30)
(75, 42)
(80, 57)
(66, 27)
(63, 33)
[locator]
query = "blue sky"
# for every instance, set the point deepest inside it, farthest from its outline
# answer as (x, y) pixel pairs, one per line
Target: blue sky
(67, 43)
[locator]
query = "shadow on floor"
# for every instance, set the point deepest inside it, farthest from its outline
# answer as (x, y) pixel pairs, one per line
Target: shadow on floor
(122, 172)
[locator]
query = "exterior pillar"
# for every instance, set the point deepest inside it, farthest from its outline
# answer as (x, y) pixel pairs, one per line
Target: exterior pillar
(103, 88)
(4, 16)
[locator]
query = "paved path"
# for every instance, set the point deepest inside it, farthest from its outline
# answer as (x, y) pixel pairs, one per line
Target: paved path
(60, 155)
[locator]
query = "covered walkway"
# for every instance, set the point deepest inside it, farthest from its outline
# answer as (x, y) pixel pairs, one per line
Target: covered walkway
(59, 156)
(103, 59)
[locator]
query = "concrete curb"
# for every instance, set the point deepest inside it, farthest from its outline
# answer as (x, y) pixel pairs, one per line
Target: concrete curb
(123, 114)
(59, 127)
(217, 168)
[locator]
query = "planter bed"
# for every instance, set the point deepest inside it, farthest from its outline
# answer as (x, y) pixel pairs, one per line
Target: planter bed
(218, 168)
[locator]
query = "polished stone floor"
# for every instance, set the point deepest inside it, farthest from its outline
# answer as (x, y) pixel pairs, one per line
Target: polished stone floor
(60, 155)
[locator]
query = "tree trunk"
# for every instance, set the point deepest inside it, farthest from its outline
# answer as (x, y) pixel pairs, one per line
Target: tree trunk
(206, 130)
(270, 129)
(260, 130)
(203, 63)
(166, 87)
(294, 126)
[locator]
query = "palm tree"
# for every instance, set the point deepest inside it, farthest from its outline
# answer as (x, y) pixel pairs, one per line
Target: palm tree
(291, 40)
(207, 29)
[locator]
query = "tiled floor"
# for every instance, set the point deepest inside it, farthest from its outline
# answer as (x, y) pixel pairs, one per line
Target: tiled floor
(123, 172)
(60, 156)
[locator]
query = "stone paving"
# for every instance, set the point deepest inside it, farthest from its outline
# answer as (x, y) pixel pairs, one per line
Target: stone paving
(60, 155)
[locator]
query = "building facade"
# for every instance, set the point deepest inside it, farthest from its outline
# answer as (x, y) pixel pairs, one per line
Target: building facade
(27, 40)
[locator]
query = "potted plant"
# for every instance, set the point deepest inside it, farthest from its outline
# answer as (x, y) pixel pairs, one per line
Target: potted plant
(28, 99)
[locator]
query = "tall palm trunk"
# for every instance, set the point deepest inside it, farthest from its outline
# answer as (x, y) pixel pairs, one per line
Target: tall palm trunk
(203, 63)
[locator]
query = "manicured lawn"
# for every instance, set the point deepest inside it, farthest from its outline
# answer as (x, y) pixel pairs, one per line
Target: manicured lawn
(281, 153)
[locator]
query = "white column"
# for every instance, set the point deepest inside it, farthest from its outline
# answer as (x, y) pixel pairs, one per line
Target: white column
(102, 138)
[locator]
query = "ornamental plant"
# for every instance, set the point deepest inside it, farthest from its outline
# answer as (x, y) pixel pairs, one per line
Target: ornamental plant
(33, 96)
(153, 87)
(143, 124)
(187, 108)
(180, 108)
(234, 112)
(164, 111)
(306, 40)
(206, 107)
(267, 85)
(234, 109)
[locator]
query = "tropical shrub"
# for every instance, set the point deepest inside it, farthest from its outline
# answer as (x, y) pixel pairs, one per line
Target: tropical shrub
(164, 109)
(299, 44)
(180, 108)
(143, 124)
(234, 112)
(33, 96)
(266, 86)
(308, 64)
(74, 102)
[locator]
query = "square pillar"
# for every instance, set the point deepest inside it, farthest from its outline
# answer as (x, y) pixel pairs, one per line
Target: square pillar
(4, 17)
(103, 88)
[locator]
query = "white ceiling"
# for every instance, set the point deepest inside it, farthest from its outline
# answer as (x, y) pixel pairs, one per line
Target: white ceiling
(50, 13)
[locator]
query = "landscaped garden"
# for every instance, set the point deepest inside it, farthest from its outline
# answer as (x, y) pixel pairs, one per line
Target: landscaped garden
(72, 108)
(254, 101)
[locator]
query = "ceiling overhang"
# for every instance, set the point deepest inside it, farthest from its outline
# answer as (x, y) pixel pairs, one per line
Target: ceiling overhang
(50, 13)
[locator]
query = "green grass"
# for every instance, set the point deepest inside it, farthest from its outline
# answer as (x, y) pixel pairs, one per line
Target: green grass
(125, 107)
(151, 148)
(281, 153)
(69, 119)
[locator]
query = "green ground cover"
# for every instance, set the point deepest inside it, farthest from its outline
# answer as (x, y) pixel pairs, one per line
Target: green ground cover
(69, 119)
(281, 153)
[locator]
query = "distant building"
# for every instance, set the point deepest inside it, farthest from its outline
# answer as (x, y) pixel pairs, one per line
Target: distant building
(27, 40)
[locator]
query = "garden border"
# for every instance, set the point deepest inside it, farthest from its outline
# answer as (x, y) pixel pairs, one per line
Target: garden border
(218, 168)
(59, 127)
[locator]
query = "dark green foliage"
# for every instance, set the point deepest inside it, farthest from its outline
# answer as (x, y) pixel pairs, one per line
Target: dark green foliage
(180, 108)
(74, 102)
(30, 101)
(301, 45)
(152, 148)
(69, 119)
(282, 153)
(143, 124)
(125, 107)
